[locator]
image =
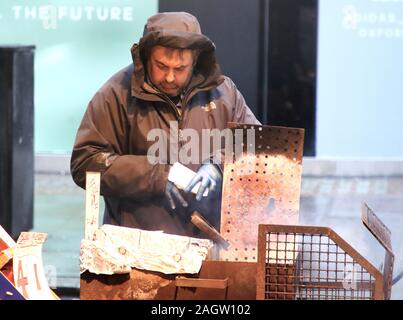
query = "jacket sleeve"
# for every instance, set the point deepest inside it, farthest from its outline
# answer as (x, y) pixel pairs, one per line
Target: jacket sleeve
(241, 111)
(102, 145)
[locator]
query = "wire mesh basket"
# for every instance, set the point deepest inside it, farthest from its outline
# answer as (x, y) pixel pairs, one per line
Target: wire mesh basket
(315, 263)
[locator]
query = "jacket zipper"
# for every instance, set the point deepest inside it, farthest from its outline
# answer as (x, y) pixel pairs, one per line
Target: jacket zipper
(173, 106)
(184, 101)
(165, 98)
(178, 116)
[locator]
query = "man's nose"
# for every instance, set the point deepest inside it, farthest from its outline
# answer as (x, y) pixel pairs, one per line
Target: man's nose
(170, 77)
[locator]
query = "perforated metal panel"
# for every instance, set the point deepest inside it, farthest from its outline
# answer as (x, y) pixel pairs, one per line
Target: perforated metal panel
(260, 188)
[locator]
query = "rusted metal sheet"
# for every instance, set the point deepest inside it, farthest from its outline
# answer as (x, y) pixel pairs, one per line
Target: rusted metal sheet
(260, 188)
(241, 277)
(183, 282)
(381, 232)
(217, 280)
(200, 283)
(313, 263)
(137, 285)
(376, 227)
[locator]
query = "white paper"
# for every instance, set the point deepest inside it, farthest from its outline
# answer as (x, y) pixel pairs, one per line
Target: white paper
(92, 192)
(181, 177)
(29, 273)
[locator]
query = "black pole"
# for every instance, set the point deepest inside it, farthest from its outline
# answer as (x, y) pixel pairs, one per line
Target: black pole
(16, 138)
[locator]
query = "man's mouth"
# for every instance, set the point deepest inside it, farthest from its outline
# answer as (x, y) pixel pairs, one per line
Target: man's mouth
(169, 87)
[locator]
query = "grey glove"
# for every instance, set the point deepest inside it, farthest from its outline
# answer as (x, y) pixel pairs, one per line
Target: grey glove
(210, 177)
(174, 196)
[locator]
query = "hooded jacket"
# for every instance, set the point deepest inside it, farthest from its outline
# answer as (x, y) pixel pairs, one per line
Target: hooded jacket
(112, 137)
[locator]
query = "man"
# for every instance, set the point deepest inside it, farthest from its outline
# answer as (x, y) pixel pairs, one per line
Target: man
(174, 79)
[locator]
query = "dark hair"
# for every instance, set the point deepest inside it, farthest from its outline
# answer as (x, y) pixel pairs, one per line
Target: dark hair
(195, 53)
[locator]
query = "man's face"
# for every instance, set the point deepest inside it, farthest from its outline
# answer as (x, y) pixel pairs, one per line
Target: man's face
(170, 69)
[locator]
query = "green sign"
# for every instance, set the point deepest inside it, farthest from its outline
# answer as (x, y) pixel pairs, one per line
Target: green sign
(79, 45)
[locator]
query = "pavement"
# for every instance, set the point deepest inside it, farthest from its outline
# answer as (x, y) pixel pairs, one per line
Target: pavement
(333, 202)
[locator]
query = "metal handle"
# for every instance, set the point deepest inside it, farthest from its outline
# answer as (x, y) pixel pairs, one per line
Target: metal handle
(202, 283)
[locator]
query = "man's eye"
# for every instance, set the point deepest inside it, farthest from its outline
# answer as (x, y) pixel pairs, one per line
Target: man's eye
(180, 69)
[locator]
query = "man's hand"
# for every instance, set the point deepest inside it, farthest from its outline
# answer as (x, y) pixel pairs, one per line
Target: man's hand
(173, 195)
(209, 176)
